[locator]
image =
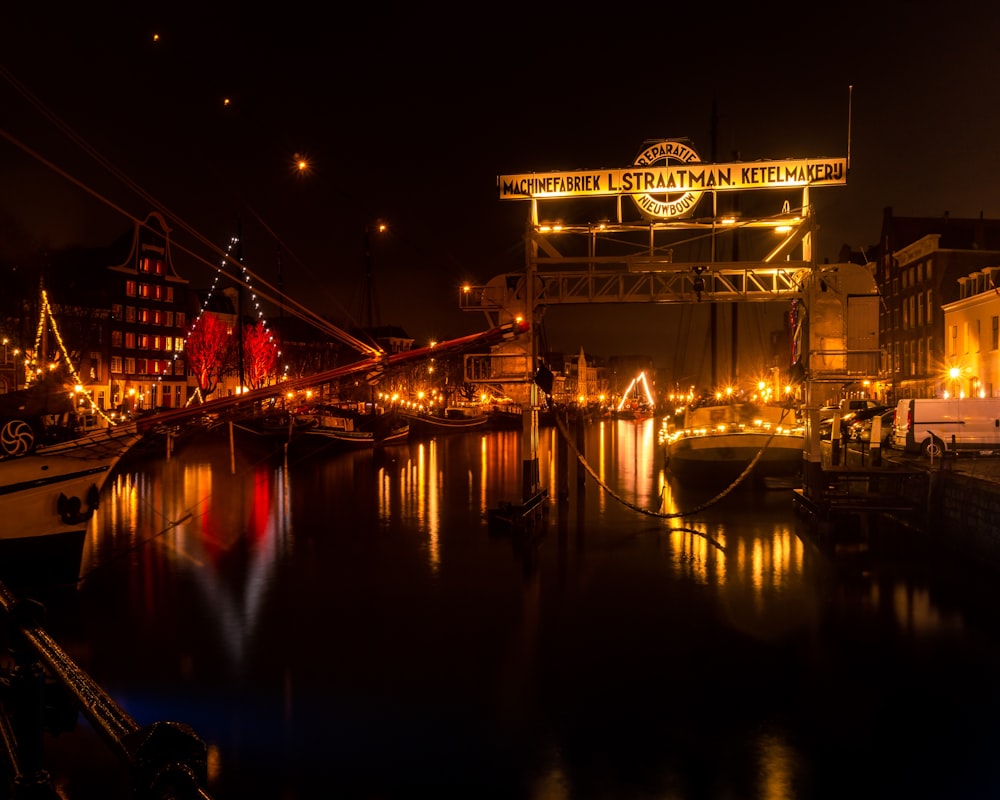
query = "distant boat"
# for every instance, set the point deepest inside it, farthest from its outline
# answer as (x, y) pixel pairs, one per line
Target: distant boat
(717, 443)
(637, 400)
(424, 423)
(323, 427)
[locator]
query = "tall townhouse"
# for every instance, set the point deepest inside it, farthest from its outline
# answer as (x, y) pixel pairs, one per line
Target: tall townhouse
(148, 322)
(917, 270)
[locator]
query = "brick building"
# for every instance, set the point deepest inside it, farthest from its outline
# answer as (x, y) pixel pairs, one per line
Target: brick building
(919, 264)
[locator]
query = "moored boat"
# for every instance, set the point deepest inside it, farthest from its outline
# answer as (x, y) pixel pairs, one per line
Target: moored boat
(424, 423)
(718, 443)
(325, 427)
(48, 495)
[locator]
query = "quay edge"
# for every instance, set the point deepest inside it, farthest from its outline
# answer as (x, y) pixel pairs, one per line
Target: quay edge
(954, 505)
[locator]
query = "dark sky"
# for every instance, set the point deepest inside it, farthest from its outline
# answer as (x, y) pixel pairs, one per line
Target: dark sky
(410, 114)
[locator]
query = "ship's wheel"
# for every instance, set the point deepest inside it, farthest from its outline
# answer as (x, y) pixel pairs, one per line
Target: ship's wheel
(16, 438)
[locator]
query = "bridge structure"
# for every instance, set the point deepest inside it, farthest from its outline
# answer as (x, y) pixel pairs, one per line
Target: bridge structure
(659, 250)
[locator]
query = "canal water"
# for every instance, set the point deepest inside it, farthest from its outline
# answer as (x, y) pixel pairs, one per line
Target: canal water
(346, 625)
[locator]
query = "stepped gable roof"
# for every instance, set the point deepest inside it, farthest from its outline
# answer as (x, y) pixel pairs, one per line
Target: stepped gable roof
(957, 233)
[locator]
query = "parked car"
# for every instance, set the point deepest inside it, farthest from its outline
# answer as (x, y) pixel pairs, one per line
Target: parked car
(860, 430)
(846, 406)
(850, 418)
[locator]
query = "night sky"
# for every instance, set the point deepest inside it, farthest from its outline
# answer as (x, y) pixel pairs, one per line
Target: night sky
(408, 115)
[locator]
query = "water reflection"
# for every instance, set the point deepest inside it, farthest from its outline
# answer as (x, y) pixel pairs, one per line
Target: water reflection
(349, 619)
(190, 517)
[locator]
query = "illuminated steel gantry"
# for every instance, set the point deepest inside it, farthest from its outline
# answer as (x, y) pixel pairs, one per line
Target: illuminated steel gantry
(616, 269)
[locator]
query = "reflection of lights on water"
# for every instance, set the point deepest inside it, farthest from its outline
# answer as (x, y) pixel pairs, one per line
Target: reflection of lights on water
(177, 512)
(776, 772)
(418, 489)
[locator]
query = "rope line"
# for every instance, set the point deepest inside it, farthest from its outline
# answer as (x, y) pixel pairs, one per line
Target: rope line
(564, 431)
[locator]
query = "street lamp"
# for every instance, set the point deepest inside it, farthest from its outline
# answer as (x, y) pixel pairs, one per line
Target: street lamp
(954, 373)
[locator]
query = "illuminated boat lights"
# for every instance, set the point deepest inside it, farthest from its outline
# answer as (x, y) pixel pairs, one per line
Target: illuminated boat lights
(757, 427)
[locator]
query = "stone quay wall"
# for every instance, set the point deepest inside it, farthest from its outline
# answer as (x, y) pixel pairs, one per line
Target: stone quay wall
(964, 511)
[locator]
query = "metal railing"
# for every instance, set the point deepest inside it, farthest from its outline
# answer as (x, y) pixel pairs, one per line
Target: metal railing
(43, 689)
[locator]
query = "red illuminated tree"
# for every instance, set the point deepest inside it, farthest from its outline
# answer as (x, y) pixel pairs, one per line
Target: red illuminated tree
(260, 355)
(210, 352)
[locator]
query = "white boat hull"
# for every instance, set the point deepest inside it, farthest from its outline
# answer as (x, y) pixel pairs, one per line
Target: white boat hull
(722, 458)
(47, 499)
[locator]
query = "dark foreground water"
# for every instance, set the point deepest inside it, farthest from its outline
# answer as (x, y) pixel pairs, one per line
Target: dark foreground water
(344, 626)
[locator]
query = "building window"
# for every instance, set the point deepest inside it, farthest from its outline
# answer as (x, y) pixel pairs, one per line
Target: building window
(116, 338)
(170, 294)
(995, 335)
(116, 311)
(180, 319)
(930, 307)
(130, 341)
(143, 265)
(158, 266)
(179, 367)
(144, 315)
(143, 342)
(158, 292)
(144, 291)
(130, 288)
(168, 343)
(130, 313)
(141, 366)
(116, 365)
(179, 344)
(168, 319)
(130, 366)
(976, 331)
(953, 340)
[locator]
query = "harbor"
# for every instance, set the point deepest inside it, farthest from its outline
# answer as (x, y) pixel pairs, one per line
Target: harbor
(611, 652)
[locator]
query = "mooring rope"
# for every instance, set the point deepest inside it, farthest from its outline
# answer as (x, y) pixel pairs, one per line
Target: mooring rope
(561, 424)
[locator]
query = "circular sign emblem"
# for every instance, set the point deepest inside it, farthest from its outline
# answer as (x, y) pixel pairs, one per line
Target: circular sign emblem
(669, 205)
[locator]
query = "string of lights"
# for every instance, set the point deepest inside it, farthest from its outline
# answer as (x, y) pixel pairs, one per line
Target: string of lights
(245, 280)
(46, 319)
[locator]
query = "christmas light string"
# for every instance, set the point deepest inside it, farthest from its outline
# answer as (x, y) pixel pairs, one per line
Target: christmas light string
(208, 298)
(49, 317)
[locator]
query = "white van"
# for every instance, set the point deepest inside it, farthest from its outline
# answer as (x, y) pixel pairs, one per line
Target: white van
(932, 426)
